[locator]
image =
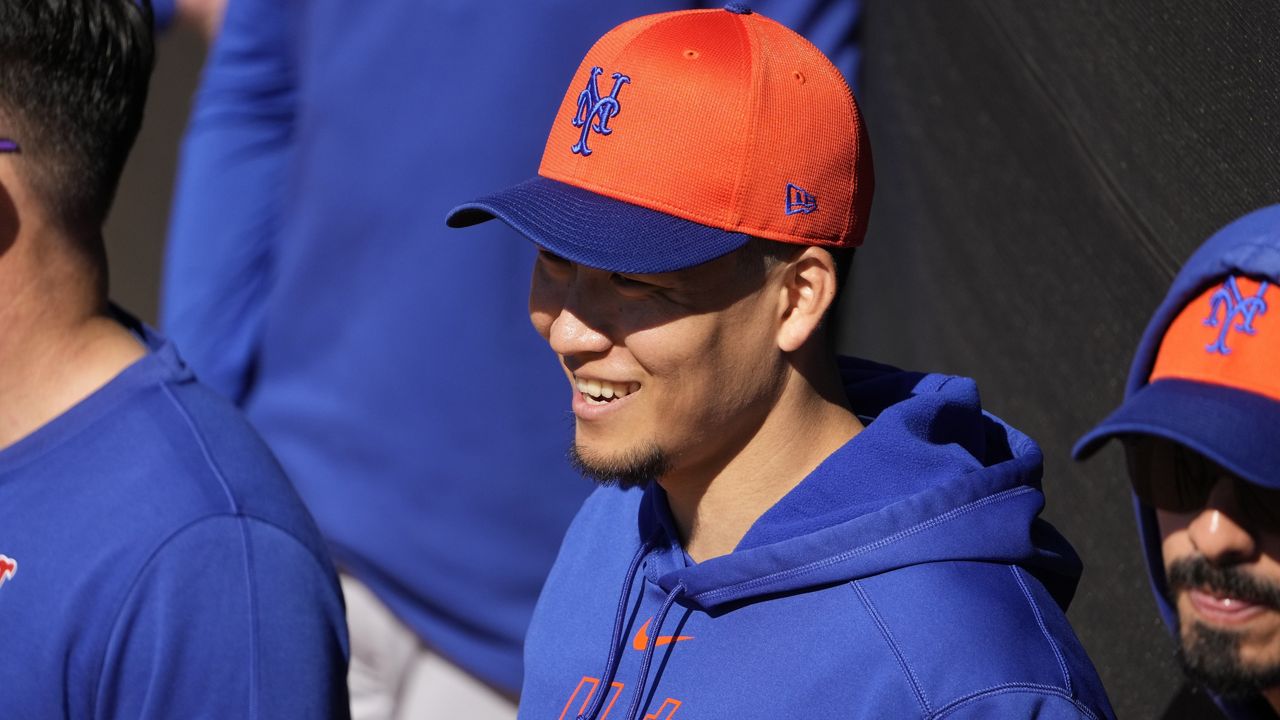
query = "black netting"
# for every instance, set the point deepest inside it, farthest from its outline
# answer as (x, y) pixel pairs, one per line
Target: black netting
(1043, 168)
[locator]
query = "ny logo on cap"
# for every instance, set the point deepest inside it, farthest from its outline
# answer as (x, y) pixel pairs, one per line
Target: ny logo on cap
(1234, 306)
(594, 112)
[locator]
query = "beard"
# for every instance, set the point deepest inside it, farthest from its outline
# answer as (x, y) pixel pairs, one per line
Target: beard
(636, 468)
(1211, 656)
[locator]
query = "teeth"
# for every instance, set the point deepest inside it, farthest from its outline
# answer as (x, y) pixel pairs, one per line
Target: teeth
(598, 391)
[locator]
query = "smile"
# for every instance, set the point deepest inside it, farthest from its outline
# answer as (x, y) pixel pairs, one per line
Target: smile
(1223, 610)
(603, 392)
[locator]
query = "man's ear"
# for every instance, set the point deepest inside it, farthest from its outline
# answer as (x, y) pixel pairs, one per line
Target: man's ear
(808, 287)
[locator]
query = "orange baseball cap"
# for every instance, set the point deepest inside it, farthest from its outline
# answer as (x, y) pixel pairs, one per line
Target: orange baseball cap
(683, 135)
(1207, 372)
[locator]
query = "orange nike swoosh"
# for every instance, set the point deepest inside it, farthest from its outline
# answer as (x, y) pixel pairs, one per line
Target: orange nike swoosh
(641, 641)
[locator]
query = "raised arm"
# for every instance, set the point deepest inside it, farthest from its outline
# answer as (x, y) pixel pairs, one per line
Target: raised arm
(229, 194)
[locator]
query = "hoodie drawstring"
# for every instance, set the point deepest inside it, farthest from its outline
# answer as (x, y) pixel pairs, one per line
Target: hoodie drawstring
(611, 664)
(661, 617)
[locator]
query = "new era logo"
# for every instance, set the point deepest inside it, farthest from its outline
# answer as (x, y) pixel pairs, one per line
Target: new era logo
(8, 568)
(800, 200)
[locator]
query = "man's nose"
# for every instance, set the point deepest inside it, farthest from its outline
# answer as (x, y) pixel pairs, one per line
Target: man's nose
(572, 335)
(1221, 531)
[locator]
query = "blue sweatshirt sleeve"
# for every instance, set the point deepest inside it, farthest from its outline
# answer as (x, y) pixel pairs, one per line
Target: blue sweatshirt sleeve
(231, 618)
(229, 195)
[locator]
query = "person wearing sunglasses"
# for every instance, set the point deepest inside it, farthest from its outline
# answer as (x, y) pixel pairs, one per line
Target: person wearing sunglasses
(154, 560)
(1200, 426)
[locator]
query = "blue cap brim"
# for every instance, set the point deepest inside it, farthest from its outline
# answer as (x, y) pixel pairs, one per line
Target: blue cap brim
(598, 231)
(1236, 429)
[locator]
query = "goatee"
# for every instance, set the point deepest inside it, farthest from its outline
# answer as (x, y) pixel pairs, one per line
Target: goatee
(634, 469)
(1211, 656)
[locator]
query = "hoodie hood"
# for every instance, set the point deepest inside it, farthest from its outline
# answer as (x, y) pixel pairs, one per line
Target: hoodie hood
(1249, 246)
(931, 478)
(922, 529)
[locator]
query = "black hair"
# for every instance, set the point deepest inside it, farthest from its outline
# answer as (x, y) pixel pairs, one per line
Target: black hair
(759, 255)
(767, 253)
(73, 86)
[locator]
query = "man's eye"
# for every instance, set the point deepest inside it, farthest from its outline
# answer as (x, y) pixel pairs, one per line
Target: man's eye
(552, 262)
(629, 282)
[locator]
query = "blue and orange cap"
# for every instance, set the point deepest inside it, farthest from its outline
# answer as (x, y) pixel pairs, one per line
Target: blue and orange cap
(683, 135)
(1207, 374)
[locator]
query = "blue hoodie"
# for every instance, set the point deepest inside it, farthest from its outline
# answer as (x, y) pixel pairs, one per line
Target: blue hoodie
(909, 575)
(1248, 246)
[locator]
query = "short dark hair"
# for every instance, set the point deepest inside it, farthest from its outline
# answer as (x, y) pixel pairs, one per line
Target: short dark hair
(760, 254)
(73, 86)
(766, 253)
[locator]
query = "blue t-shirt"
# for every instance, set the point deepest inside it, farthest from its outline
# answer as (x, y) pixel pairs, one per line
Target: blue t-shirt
(155, 563)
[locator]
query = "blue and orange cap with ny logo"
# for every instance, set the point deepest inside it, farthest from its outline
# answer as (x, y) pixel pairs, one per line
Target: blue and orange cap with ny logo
(1207, 376)
(684, 134)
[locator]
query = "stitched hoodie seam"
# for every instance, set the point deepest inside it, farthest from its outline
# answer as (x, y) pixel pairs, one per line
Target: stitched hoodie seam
(1044, 630)
(711, 595)
(1009, 688)
(893, 647)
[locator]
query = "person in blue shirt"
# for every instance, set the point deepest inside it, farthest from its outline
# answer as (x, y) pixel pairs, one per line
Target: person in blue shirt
(154, 560)
(385, 360)
(780, 533)
(1200, 426)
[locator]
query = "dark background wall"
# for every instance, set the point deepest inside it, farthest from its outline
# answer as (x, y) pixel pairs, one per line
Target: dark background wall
(135, 231)
(1043, 168)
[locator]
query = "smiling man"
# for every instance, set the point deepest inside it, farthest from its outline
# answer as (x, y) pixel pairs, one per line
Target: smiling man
(779, 532)
(1201, 430)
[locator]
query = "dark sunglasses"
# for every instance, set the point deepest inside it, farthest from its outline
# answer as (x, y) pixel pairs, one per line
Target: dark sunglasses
(9, 146)
(1170, 476)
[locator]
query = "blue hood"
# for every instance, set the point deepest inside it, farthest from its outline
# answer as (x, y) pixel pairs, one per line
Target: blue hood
(1248, 246)
(951, 483)
(922, 529)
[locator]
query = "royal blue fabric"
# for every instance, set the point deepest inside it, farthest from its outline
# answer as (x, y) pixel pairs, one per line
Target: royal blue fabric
(1234, 428)
(907, 576)
(386, 359)
(585, 227)
(166, 568)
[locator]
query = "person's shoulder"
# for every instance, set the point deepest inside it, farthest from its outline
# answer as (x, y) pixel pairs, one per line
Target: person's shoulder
(242, 617)
(230, 465)
(978, 636)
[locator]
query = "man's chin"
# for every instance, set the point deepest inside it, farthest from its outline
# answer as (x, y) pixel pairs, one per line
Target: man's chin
(1214, 659)
(630, 468)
